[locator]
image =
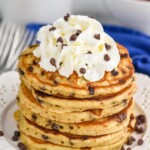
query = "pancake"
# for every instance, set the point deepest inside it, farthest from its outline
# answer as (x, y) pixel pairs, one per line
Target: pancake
(115, 106)
(75, 104)
(54, 84)
(29, 101)
(69, 140)
(96, 127)
(36, 144)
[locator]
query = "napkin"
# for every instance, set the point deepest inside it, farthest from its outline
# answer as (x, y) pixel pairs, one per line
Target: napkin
(136, 42)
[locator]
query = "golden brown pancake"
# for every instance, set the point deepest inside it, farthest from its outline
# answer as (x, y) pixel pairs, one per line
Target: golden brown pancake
(29, 101)
(96, 127)
(54, 84)
(32, 129)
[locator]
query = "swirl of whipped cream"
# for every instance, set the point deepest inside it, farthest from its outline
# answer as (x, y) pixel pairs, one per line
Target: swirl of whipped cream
(77, 43)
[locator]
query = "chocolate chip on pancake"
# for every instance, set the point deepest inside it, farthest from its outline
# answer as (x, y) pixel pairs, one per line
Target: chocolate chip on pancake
(106, 57)
(49, 123)
(82, 70)
(42, 73)
(20, 71)
(122, 81)
(114, 72)
(55, 126)
(39, 100)
(124, 101)
(107, 46)
(45, 137)
(34, 117)
(30, 69)
(52, 29)
(125, 55)
(71, 127)
(60, 39)
(66, 17)
(91, 90)
(97, 36)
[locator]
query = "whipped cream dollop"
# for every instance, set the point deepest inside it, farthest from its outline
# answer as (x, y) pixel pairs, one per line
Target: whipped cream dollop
(77, 43)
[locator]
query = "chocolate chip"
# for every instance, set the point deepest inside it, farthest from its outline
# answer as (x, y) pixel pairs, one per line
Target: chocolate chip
(71, 127)
(62, 142)
(53, 61)
(1, 133)
(20, 72)
(106, 57)
(39, 100)
(73, 37)
(132, 139)
(107, 46)
(124, 101)
(89, 52)
(52, 29)
(124, 55)
(34, 117)
(124, 72)
(128, 148)
(66, 17)
(140, 142)
(15, 138)
(22, 146)
(44, 137)
(78, 32)
(55, 126)
(82, 70)
(97, 36)
(114, 72)
(122, 117)
(34, 62)
(17, 133)
(122, 148)
(129, 142)
(60, 39)
(140, 130)
(122, 81)
(71, 143)
(84, 137)
(42, 73)
(141, 119)
(91, 90)
(61, 127)
(30, 69)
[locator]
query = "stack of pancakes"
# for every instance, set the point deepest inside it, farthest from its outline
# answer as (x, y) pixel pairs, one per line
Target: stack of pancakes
(59, 113)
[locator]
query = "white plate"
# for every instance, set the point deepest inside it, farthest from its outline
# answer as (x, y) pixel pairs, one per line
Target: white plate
(9, 83)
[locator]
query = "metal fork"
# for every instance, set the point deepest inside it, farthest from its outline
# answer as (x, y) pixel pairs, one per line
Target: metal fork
(13, 39)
